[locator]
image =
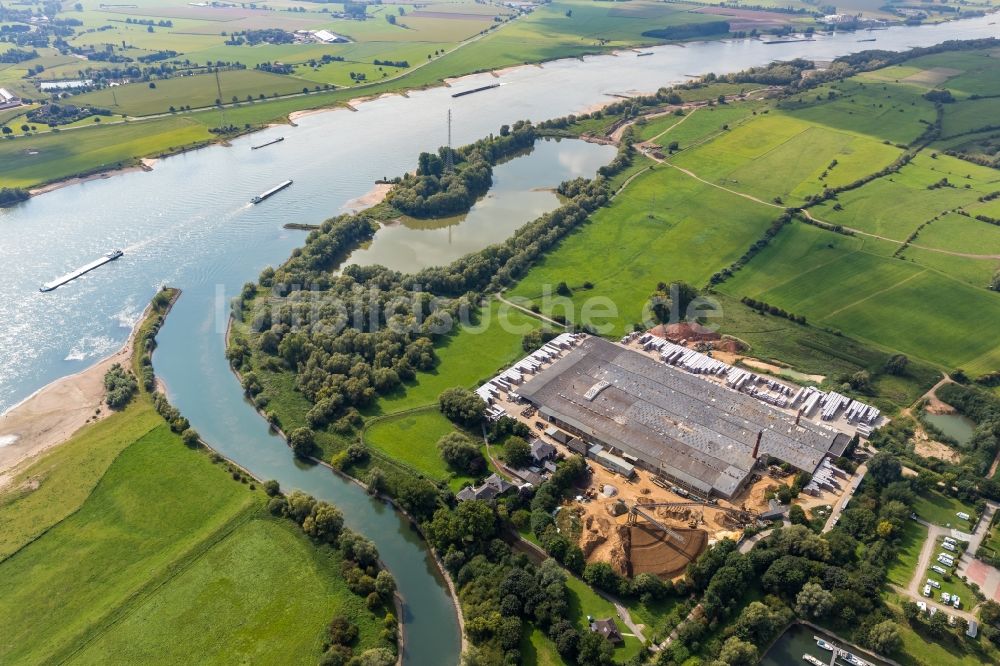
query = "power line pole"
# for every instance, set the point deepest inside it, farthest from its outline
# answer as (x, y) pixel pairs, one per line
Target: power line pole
(449, 163)
(222, 102)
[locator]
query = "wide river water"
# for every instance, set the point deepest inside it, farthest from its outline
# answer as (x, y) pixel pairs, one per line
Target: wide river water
(188, 224)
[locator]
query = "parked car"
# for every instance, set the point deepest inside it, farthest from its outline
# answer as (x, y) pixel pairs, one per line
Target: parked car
(956, 601)
(945, 597)
(927, 590)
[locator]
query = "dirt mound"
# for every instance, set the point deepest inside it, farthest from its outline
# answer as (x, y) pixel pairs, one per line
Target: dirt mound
(684, 331)
(595, 533)
(650, 550)
(621, 545)
(731, 345)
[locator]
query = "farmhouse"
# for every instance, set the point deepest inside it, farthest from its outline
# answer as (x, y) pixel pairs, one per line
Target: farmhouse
(8, 100)
(608, 629)
(633, 410)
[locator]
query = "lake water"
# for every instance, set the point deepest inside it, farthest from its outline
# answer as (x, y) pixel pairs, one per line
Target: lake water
(958, 427)
(188, 223)
(523, 190)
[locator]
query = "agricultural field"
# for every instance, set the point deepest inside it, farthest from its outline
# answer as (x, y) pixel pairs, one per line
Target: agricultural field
(196, 91)
(894, 206)
(154, 551)
(695, 126)
(783, 158)
(969, 115)
(48, 157)
(835, 281)
(658, 231)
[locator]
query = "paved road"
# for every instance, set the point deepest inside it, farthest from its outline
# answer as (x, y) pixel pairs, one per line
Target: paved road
(980, 532)
(848, 493)
(926, 552)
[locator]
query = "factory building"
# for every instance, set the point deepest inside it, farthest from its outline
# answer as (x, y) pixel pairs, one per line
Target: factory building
(702, 435)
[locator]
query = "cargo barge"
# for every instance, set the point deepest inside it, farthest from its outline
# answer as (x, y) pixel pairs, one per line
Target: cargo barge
(69, 277)
(271, 192)
(475, 90)
(269, 143)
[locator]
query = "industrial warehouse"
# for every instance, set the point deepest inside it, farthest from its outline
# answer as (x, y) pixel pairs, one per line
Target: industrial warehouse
(631, 409)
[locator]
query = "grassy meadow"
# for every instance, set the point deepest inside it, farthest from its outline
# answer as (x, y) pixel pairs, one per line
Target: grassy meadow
(781, 158)
(656, 231)
(164, 555)
(126, 545)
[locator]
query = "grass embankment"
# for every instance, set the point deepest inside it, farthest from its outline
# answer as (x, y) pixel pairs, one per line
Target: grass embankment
(125, 544)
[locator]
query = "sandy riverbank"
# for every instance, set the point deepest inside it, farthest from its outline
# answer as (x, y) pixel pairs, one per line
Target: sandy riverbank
(146, 165)
(373, 198)
(51, 415)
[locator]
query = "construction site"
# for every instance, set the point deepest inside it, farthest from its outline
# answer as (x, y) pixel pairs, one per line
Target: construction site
(642, 525)
(676, 463)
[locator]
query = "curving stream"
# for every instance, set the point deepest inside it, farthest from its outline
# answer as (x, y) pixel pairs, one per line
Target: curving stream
(188, 223)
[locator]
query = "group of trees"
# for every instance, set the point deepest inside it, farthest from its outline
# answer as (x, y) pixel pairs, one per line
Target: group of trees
(461, 453)
(54, 114)
(435, 191)
(500, 590)
(119, 386)
(689, 30)
(761, 306)
(262, 36)
(12, 195)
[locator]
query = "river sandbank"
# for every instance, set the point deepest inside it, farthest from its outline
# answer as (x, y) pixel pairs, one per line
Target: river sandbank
(146, 164)
(51, 415)
(372, 198)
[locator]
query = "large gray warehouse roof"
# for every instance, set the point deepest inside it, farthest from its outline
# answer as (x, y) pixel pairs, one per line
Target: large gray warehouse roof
(694, 430)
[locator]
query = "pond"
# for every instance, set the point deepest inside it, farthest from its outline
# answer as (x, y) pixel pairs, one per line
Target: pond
(956, 426)
(523, 189)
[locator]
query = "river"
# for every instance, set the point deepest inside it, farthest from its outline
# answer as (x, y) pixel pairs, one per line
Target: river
(187, 223)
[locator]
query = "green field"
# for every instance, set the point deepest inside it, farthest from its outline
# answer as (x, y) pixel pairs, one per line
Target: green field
(894, 206)
(665, 227)
(881, 110)
(903, 568)
(696, 126)
(66, 477)
(780, 156)
(262, 592)
(125, 545)
(44, 158)
(195, 91)
(969, 115)
(837, 281)
(941, 509)
(959, 233)
(467, 358)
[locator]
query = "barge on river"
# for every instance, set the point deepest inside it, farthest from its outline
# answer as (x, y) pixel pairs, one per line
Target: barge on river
(268, 143)
(475, 90)
(69, 277)
(271, 192)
